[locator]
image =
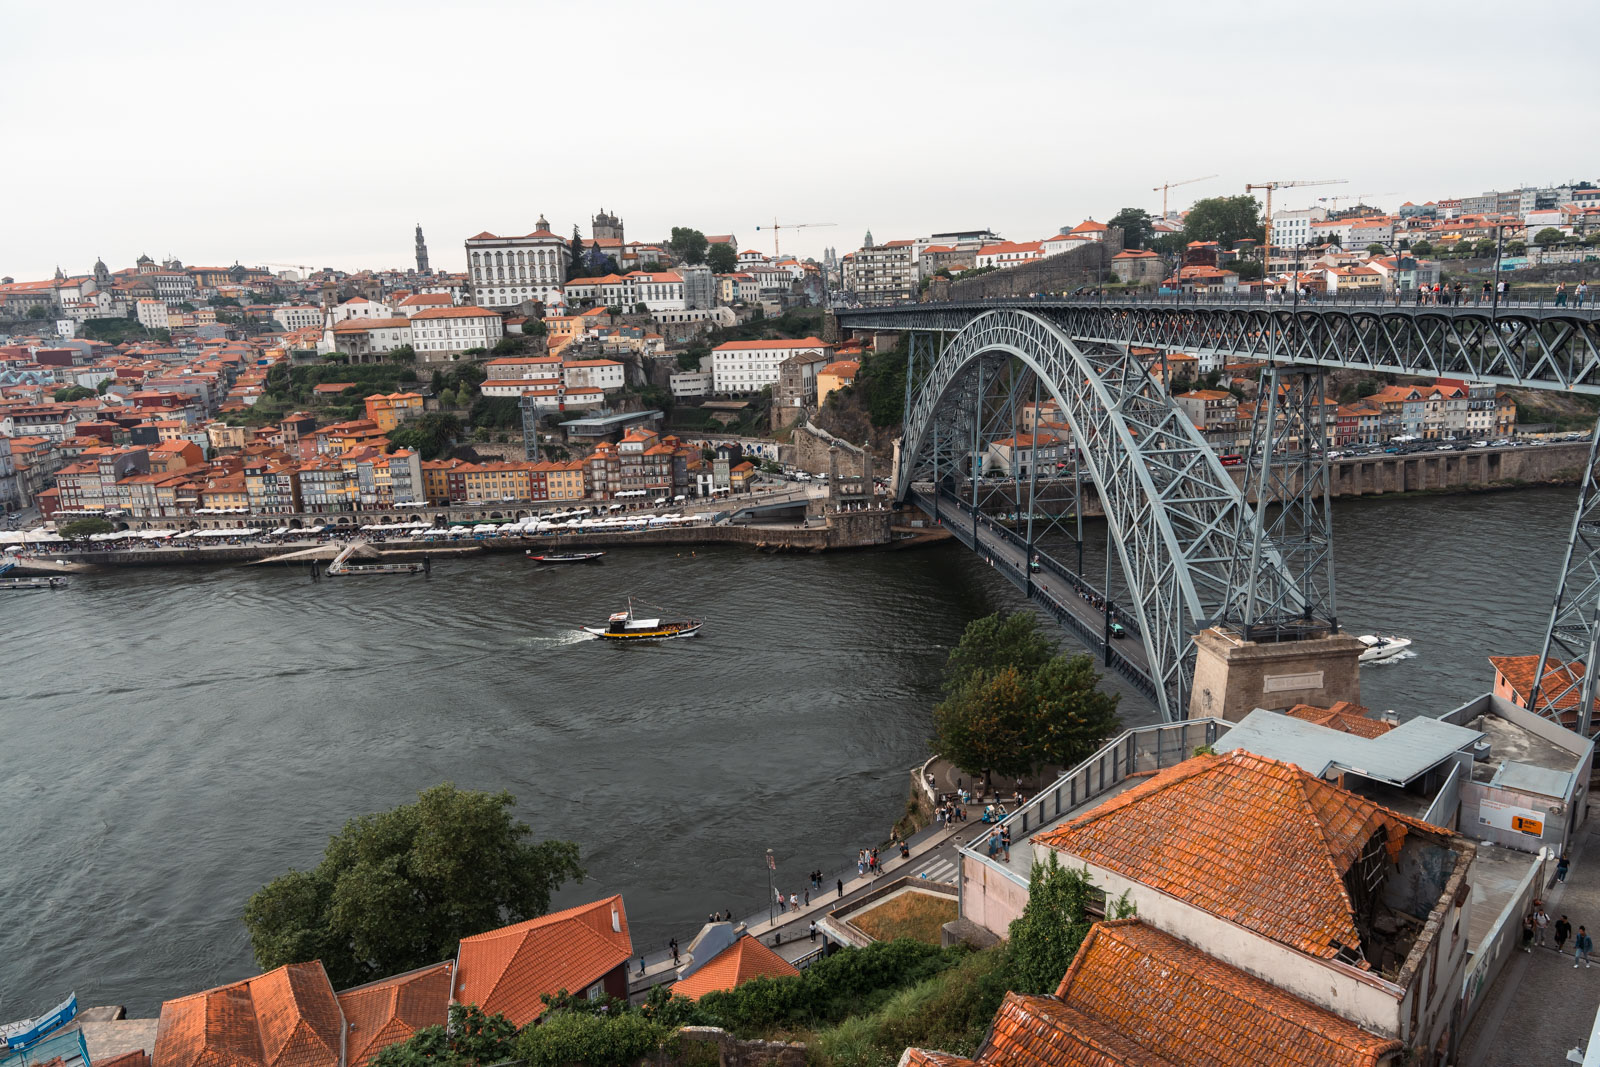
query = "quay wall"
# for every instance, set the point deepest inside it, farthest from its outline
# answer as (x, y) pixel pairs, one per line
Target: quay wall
(1472, 470)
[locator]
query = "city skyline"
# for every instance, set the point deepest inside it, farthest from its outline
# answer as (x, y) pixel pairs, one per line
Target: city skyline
(275, 151)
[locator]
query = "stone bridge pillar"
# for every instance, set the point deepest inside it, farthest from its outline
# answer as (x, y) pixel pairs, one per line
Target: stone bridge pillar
(1233, 677)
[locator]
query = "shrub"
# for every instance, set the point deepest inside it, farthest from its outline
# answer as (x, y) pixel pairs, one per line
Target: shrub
(567, 1038)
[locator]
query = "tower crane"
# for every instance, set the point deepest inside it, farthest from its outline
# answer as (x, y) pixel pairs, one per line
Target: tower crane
(1266, 251)
(1357, 197)
(1164, 186)
(301, 267)
(776, 226)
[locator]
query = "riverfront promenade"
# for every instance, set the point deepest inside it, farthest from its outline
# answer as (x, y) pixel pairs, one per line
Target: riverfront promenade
(933, 850)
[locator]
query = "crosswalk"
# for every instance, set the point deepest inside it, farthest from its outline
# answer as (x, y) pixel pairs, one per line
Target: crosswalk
(937, 869)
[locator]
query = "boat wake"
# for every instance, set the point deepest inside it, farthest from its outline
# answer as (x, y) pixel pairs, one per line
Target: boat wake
(1396, 658)
(573, 638)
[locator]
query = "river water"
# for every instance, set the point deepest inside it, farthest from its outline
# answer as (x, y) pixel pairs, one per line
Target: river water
(172, 739)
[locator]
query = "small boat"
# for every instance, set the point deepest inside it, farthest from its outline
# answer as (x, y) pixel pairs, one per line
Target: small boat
(1382, 648)
(626, 626)
(563, 557)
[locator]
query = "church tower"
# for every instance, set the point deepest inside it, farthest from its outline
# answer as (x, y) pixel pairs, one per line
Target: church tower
(605, 227)
(102, 274)
(422, 252)
(868, 242)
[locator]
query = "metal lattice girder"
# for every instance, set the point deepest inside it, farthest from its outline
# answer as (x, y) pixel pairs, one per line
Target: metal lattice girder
(1573, 636)
(1532, 347)
(1172, 511)
(1288, 476)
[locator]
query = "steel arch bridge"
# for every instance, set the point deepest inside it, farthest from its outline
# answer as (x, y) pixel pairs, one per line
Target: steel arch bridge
(1193, 553)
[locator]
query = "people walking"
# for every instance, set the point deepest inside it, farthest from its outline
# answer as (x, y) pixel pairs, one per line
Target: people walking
(1527, 933)
(1561, 868)
(673, 945)
(794, 902)
(813, 929)
(1563, 931)
(1582, 292)
(1561, 294)
(1581, 947)
(841, 888)
(808, 896)
(1541, 926)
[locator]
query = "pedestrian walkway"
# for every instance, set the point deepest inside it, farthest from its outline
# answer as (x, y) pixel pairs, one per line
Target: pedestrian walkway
(932, 849)
(1540, 1006)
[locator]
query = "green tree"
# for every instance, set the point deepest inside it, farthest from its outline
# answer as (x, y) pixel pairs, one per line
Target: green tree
(1135, 223)
(1516, 248)
(995, 642)
(1548, 236)
(1422, 248)
(1376, 249)
(73, 392)
(722, 258)
(1224, 219)
(1052, 926)
(1248, 270)
(535, 328)
(565, 1038)
(576, 255)
(81, 528)
(687, 244)
(471, 1038)
(185, 306)
(986, 724)
(403, 354)
(397, 890)
(1072, 716)
(38, 311)
(689, 358)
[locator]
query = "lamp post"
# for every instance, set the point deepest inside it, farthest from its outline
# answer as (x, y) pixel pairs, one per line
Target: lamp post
(772, 865)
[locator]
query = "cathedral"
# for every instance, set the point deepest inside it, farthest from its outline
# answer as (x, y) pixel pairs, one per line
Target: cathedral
(606, 227)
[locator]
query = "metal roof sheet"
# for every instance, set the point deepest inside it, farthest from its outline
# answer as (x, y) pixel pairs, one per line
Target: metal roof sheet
(1399, 756)
(1531, 779)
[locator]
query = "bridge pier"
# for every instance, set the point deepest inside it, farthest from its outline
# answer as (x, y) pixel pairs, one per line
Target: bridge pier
(1233, 677)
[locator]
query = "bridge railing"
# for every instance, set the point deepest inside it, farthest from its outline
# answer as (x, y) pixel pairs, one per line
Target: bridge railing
(1469, 301)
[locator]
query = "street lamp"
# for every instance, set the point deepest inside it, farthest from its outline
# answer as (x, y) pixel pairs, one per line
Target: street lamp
(772, 865)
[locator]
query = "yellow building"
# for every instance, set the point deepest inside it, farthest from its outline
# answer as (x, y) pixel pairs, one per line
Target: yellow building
(227, 491)
(836, 375)
(389, 410)
(565, 481)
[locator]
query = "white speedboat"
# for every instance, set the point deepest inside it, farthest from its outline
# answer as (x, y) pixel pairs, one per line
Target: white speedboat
(1382, 648)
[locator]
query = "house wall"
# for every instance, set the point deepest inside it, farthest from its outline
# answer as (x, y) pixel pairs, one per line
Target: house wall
(991, 896)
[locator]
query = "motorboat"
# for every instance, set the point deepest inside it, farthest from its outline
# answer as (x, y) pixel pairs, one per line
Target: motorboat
(563, 557)
(1382, 648)
(626, 626)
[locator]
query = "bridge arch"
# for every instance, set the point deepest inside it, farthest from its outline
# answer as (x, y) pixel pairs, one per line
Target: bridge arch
(1173, 512)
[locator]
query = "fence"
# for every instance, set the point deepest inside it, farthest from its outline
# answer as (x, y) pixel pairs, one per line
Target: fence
(1136, 751)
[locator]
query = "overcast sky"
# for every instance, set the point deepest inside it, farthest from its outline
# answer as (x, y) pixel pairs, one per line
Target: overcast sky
(320, 134)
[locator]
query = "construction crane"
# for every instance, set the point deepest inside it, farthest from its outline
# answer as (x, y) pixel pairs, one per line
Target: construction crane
(297, 266)
(1162, 189)
(1357, 197)
(1266, 250)
(776, 226)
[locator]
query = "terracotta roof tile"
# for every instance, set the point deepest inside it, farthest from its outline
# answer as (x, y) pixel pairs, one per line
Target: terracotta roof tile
(1344, 716)
(381, 1014)
(507, 970)
(1518, 672)
(1043, 1032)
(741, 961)
(1251, 840)
(1180, 1004)
(284, 1018)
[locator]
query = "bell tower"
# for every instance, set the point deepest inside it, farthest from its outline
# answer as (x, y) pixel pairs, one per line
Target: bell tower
(422, 252)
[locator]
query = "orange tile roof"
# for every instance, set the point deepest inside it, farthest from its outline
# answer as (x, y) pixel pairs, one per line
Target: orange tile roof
(745, 346)
(1343, 716)
(741, 961)
(284, 1018)
(1182, 1006)
(384, 1013)
(1518, 673)
(1251, 840)
(507, 970)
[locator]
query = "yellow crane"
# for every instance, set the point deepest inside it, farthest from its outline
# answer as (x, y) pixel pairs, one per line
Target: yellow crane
(776, 226)
(1266, 249)
(1164, 186)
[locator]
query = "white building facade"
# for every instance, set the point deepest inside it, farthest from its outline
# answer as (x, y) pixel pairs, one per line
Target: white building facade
(444, 333)
(750, 366)
(505, 271)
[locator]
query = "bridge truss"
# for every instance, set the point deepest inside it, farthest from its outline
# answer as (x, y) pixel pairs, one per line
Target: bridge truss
(1192, 551)
(1174, 515)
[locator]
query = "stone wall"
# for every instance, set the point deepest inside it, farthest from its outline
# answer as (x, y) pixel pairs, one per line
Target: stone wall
(711, 1046)
(812, 445)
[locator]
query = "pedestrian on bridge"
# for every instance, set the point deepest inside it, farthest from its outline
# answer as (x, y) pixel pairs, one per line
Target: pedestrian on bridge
(841, 888)
(1563, 931)
(1561, 294)
(1581, 949)
(673, 945)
